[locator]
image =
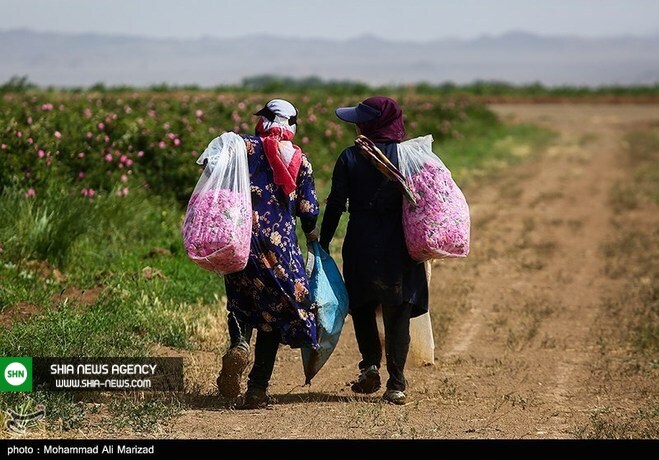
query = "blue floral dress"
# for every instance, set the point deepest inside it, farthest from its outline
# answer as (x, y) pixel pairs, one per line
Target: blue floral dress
(272, 292)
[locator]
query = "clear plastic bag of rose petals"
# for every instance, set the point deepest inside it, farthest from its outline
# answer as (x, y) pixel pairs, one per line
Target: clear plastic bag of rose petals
(218, 221)
(439, 226)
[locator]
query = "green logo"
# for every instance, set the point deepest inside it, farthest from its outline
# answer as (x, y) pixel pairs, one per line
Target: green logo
(16, 374)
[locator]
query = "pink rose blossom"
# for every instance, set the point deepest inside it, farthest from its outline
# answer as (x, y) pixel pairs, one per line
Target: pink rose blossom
(177, 142)
(19, 134)
(81, 155)
(439, 226)
(108, 158)
(81, 175)
(30, 193)
(41, 153)
(91, 192)
(88, 135)
(57, 135)
(29, 120)
(140, 154)
(29, 141)
(129, 163)
(305, 140)
(199, 113)
(123, 158)
(101, 126)
(84, 192)
(47, 107)
(162, 144)
(217, 230)
(3, 146)
(124, 178)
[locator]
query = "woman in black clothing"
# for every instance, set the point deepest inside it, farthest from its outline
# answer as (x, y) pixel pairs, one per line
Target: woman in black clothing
(376, 265)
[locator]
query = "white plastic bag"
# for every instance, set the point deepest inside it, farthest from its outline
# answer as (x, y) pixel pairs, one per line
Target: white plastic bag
(422, 341)
(439, 226)
(218, 221)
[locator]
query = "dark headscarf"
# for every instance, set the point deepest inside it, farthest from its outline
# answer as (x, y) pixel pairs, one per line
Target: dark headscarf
(388, 127)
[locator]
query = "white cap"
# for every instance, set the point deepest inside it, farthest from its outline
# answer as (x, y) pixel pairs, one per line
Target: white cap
(280, 111)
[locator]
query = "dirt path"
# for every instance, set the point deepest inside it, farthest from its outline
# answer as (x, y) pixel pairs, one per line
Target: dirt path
(512, 323)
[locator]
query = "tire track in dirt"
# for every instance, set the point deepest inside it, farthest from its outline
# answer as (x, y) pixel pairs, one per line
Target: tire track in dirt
(512, 321)
(540, 284)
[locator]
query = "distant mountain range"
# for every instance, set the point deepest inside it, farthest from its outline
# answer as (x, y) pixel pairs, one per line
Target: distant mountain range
(516, 57)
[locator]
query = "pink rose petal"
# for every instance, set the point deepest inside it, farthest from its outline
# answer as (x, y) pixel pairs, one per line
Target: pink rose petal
(217, 230)
(439, 226)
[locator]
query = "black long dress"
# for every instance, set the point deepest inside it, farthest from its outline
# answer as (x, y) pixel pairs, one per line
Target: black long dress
(376, 264)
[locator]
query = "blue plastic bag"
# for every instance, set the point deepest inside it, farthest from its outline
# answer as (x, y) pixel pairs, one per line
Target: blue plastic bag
(327, 289)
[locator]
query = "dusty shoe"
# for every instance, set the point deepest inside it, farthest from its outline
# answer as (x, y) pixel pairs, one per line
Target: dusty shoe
(234, 363)
(394, 397)
(255, 398)
(368, 381)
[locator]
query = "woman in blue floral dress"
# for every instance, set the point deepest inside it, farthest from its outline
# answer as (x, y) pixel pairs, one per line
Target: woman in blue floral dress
(272, 293)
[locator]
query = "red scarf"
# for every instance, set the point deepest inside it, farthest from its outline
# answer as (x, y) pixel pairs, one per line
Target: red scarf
(284, 176)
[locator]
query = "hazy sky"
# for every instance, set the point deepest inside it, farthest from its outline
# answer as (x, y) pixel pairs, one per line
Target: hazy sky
(417, 20)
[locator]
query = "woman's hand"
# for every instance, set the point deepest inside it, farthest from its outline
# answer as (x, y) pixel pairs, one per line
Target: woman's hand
(312, 235)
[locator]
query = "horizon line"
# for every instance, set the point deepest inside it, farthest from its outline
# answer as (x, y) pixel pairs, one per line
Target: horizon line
(365, 36)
